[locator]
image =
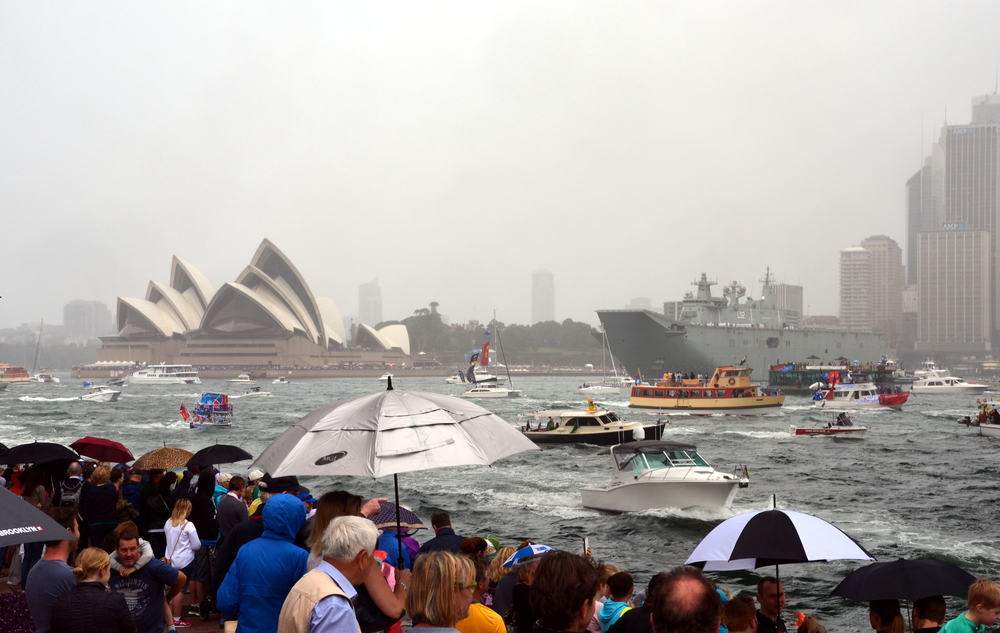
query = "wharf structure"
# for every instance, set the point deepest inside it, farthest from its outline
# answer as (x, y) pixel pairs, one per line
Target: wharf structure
(268, 317)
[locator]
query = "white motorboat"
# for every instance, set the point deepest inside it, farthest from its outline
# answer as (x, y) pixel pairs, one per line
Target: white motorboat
(590, 426)
(937, 384)
(165, 375)
(214, 409)
(43, 376)
(491, 391)
(242, 379)
(596, 388)
(100, 393)
(251, 392)
(386, 376)
(657, 474)
(280, 380)
(989, 430)
(861, 395)
(608, 385)
(842, 428)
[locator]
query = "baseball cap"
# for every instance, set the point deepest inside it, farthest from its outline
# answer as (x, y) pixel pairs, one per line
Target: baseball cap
(224, 478)
(277, 485)
(256, 474)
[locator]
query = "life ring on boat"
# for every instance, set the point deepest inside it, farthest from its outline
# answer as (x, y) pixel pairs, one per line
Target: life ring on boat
(732, 381)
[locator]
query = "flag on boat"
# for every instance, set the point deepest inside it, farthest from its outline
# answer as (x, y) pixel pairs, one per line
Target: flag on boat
(184, 412)
(484, 358)
(744, 361)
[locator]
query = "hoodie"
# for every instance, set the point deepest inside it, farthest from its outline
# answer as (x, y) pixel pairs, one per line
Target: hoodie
(266, 568)
(610, 613)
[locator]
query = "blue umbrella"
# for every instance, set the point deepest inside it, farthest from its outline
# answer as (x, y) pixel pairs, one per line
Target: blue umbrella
(527, 554)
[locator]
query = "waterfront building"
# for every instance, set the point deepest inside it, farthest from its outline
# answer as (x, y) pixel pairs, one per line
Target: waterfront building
(543, 296)
(886, 284)
(370, 302)
(672, 309)
(955, 282)
(86, 319)
(856, 313)
(267, 317)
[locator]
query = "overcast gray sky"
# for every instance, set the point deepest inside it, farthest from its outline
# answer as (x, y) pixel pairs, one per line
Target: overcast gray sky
(452, 149)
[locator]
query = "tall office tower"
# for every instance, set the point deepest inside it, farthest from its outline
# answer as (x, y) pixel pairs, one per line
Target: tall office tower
(543, 296)
(790, 300)
(887, 285)
(924, 205)
(955, 281)
(856, 289)
(88, 319)
(370, 303)
(972, 183)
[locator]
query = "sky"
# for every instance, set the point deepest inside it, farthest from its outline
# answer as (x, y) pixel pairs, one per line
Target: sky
(451, 149)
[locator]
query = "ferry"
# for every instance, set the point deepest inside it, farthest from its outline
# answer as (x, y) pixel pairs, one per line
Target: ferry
(165, 375)
(729, 390)
(13, 374)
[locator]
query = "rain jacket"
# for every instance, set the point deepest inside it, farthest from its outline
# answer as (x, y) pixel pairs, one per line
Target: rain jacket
(266, 568)
(610, 613)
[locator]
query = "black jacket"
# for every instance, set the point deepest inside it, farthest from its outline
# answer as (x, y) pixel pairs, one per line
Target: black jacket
(633, 621)
(91, 608)
(101, 505)
(445, 541)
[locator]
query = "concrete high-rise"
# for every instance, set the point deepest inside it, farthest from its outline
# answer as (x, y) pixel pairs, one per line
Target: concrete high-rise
(790, 300)
(86, 319)
(370, 303)
(955, 281)
(886, 285)
(924, 206)
(856, 311)
(543, 296)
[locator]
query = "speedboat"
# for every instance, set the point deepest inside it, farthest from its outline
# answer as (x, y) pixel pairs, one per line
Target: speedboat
(43, 376)
(597, 387)
(728, 391)
(254, 391)
(242, 379)
(213, 409)
(843, 427)
(491, 391)
(165, 375)
(862, 395)
(280, 380)
(100, 393)
(116, 382)
(657, 474)
(935, 384)
(385, 377)
(591, 426)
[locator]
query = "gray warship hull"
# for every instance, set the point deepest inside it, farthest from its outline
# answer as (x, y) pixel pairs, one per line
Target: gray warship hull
(652, 344)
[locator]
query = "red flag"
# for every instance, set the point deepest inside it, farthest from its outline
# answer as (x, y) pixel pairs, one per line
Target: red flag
(484, 357)
(184, 412)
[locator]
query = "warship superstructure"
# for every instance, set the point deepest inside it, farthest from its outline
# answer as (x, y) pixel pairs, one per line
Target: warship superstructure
(716, 331)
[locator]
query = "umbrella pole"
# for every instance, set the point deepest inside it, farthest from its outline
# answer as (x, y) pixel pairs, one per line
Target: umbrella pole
(906, 605)
(399, 529)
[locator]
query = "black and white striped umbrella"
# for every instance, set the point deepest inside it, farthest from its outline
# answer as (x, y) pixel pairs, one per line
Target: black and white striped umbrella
(773, 537)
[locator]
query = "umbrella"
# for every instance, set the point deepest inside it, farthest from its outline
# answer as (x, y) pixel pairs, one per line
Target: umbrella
(48, 470)
(165, 458)
(3, 448)
(904, 580)
(103, 450)
(386, 517)
(391, 432)
(218, 454)
(773, 537)
(21, 522)
(812, 357)
(37, 452)
(527, 554)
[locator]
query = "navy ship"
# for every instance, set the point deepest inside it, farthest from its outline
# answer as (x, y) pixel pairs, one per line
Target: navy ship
(733, 329)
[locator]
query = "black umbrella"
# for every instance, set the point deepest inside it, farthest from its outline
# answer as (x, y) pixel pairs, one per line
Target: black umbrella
(49, 471)
(21, 522)
(389, 514)
(37, 452)
(812, 357)
(3, 448)
(904, 580)
(218, 454)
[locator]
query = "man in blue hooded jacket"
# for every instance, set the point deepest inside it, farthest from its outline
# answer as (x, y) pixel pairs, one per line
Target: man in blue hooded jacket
(266, 568)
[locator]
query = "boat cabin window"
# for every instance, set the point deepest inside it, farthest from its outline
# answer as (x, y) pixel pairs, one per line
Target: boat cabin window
(611, 416)
(647, 393)
(658, 459)
(659, 393)
(584, 422)
(695, 393)
(672, 393)
(720, 393)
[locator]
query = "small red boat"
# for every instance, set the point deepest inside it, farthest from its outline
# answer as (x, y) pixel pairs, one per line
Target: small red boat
(893, 399)
(843, 427)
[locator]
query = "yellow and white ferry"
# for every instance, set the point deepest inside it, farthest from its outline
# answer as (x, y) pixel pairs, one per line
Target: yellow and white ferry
(13, 374)
(729, 390)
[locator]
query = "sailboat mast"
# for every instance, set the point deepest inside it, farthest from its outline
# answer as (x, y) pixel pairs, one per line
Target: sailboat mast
(496, 328)
(38, 346)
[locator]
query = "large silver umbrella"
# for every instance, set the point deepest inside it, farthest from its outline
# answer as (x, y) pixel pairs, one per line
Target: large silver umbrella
(391, 432)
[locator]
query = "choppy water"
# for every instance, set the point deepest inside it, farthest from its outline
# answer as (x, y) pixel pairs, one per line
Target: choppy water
(918, 486)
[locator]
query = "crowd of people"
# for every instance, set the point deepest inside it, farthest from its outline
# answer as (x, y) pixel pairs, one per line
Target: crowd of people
(265, 555)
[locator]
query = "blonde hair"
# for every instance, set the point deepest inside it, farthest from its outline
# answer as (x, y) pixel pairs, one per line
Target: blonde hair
(90, 560)
(181, 509)
(812, 625)
(497, 570)
(437, 577)
(985, 592)
(101, 475)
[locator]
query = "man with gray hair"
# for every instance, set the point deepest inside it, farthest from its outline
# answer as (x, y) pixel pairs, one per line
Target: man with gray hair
(321, 601)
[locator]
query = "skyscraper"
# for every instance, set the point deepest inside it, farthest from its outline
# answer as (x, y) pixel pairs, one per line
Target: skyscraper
(924, 206)
(790, 300)
(543, 296)
(370, 303)
(87, 319)
(856, 289)
(887, 284)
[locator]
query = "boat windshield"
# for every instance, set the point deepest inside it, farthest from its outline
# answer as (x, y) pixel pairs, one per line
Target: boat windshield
(662, 458)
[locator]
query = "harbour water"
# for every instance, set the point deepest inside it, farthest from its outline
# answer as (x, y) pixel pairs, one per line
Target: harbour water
(918, 486)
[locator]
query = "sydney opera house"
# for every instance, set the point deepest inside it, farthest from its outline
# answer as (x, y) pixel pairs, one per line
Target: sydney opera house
(267, 317)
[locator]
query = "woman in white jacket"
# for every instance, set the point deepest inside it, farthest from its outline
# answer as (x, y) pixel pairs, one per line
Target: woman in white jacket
(182, 543)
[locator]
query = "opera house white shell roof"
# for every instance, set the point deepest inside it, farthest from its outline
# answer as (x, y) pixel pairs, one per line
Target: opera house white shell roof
(268, 299)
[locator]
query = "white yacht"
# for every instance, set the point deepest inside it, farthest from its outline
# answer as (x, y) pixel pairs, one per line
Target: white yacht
(657, 474)
(935, 383)
(385, 377)
(100, 393)
(862, 395)
(165, 375)
(251, 392)
(280, 380)
(491, 391)
(242, 379)
(43, 376)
